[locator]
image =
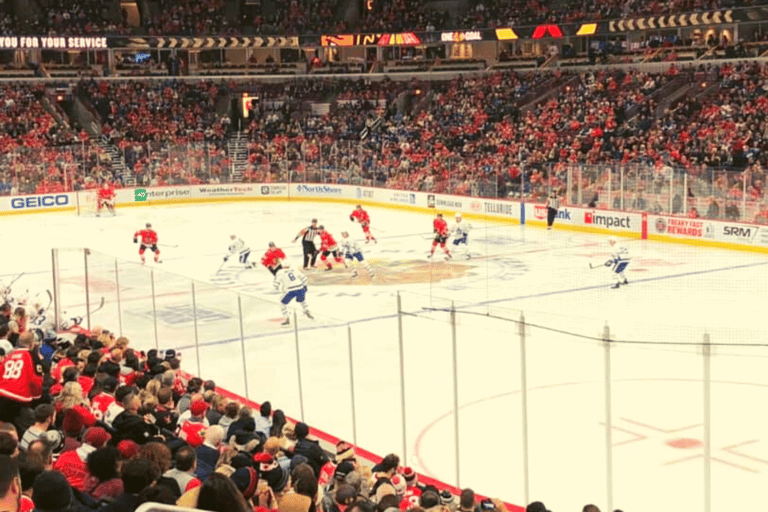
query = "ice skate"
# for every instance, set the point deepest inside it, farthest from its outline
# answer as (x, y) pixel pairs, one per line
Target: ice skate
(354, 273)
(616, 285)
(287, 321)
(625, 281)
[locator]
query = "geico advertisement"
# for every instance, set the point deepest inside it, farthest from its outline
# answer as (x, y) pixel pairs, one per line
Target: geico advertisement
(36, 202)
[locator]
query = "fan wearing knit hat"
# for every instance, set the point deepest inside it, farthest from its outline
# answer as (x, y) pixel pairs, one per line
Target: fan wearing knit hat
(246, 479)
(73, 464)
(51, 492)
(193, 430)
(270, 471)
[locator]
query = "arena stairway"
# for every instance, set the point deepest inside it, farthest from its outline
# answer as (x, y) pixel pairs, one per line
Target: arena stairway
(238, 153)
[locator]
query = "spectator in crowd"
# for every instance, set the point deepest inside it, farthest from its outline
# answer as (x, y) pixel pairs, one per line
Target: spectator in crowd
(382, 474)
(136, 475)
(42, 449)
(309, 448)
(263, 420)
(220, 494)
(208, 452)
(45, 415)
(165, 413)
(130, 425)
(10, 484)
(30, 466)
(246, 480)
(183, 474)
(103, 481)
(72, 427)
(73, 464)
(193, 429)
(24, 386)
(217, 409)
(231, 411)
(9, 439)
(52, 492)
(159, 456)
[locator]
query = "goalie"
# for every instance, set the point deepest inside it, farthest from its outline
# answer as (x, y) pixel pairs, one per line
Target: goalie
(106, 198)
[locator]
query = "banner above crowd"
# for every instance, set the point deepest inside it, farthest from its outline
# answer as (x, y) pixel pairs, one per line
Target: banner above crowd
(548, 30)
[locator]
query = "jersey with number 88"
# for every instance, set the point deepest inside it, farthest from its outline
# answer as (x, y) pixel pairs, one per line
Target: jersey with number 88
(21, 379)
(12, 369)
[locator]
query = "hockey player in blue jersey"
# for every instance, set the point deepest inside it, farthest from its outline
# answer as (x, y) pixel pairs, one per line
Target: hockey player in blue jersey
(460, 233)
(293, 284)
(239, 248)
(618, 262)
(352, 251)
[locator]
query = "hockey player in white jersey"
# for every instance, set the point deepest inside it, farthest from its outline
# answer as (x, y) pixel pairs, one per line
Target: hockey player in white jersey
(293, 285)
(351, 251)
(618, 262)
(460, 234)
(239, 248)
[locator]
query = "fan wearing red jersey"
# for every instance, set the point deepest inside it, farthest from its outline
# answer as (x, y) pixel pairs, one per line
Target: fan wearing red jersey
(440, 228)
(148, 240)
(273, 258)
(106, 198)
(21, 374)
(364, 219)
(329, 247)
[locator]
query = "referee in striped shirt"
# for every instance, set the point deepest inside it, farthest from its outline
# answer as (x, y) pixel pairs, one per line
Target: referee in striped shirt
(553, 204)
(308, 235)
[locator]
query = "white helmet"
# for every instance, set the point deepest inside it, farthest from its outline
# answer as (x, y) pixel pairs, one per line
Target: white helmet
(458, 215)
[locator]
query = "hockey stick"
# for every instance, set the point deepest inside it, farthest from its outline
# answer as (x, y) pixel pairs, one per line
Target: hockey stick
(221, 267)
(14, 280)
(101, 305)
(595, 266)
(50, 300)
(168, 245)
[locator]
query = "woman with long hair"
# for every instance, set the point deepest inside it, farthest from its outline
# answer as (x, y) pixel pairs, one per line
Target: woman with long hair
(278, 420)
(219, 494)
(71, 397)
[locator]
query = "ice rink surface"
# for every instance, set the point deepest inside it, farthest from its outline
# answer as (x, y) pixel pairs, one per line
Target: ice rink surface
(677, 293)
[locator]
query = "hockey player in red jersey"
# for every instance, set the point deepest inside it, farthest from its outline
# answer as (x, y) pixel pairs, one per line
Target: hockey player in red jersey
(362, 217)
(329, 246)
(148, 239)
(440, 228)
(273, 258)
(106, 198)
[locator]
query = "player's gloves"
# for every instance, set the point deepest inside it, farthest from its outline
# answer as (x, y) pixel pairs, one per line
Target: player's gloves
(135, 241)
(352, 219)
(609, 263)
(226, 258)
